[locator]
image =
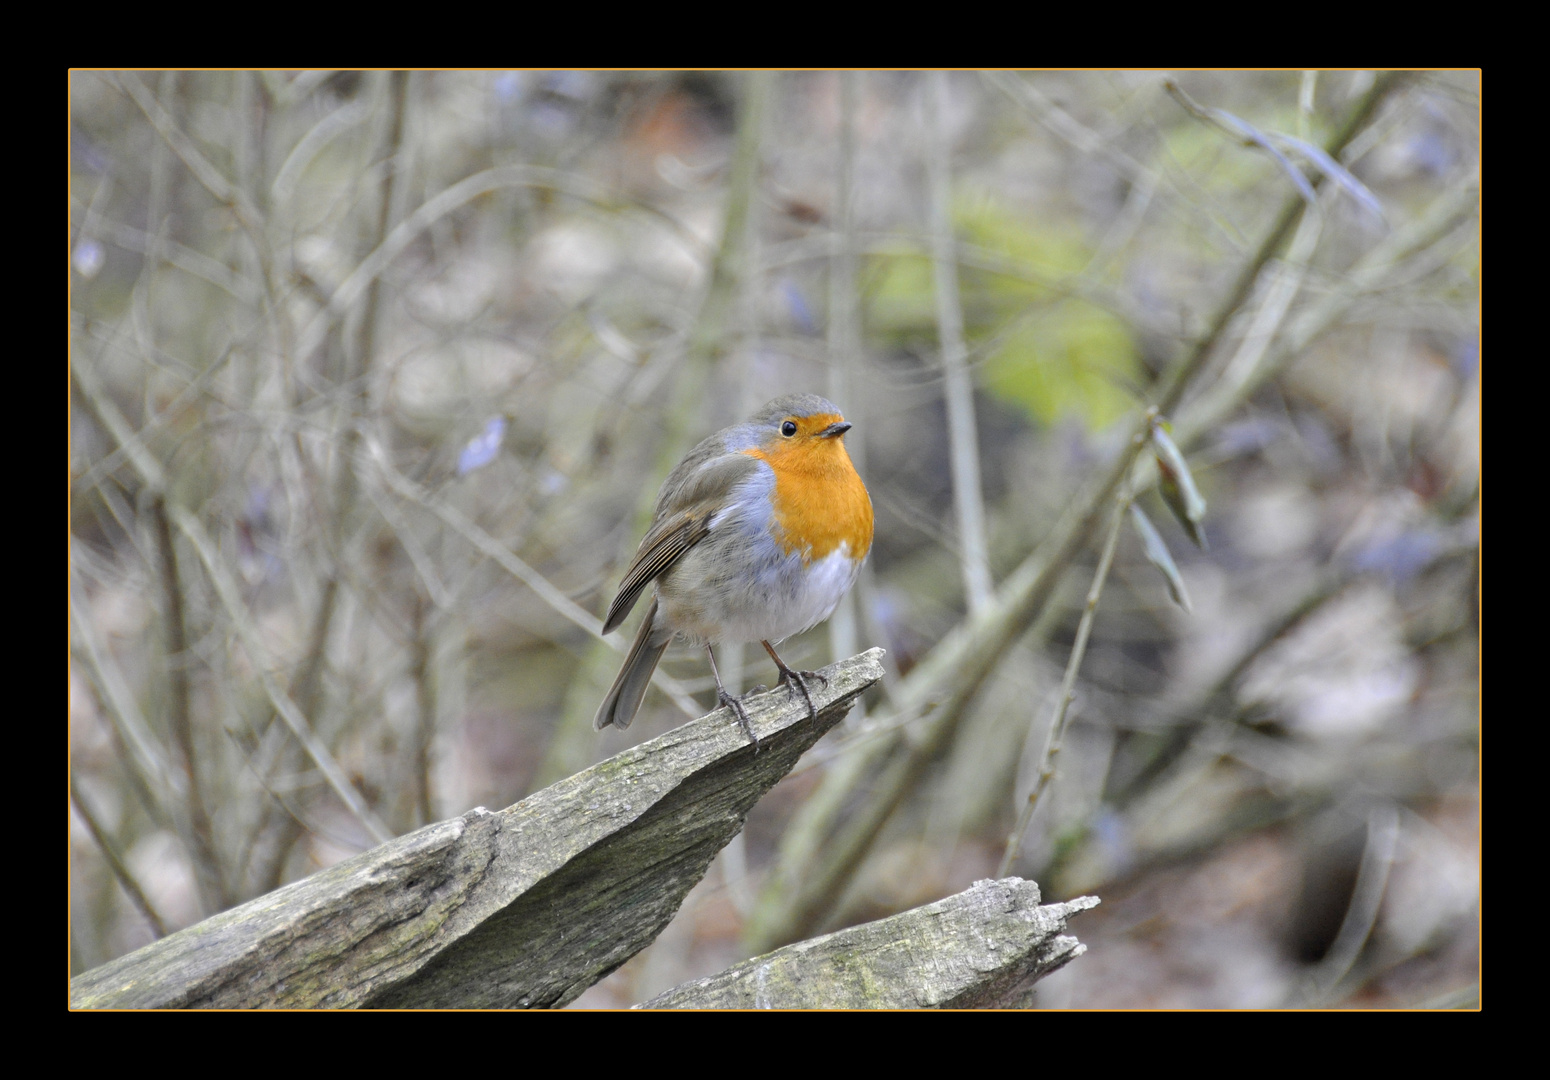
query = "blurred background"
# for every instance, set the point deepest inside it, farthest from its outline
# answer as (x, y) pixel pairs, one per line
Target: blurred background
(374, 377)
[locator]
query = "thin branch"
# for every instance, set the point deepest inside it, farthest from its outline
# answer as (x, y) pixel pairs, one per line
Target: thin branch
(844, 350)
(442, 204)
(194, 263)
(336, 123)
(1094, 144)
(208, 175)
(353, 393)
(421, 649)
(1274, 143)
(1062, 124)
(146, 761)
(226, 589)
(121, 872)
(418, 558)
(962, 432)
(1193, 741)
(206, 857)
(1084, 285)
(277, 798)
(1361, 914)
(1056, 734)
(169, 413)
(1233, 126)
(494, 549)
(151, 474)
(1373, 271)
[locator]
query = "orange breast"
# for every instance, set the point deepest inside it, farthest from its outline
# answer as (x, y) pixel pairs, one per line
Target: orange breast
(819, 501)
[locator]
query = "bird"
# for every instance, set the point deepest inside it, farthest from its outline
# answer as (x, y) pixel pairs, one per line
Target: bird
(757, 535)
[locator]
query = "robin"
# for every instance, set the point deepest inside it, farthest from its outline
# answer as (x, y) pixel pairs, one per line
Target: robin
(756, 536)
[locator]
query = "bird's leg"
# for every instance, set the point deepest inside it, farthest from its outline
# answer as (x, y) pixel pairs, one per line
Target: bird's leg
(735, 704)
(791, 676)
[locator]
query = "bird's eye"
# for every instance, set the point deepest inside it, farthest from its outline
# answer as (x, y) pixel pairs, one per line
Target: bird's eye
(788, 429)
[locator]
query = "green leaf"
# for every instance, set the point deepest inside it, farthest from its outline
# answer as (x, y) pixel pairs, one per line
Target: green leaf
(1177, 485)
(1158, 555)
(1042, 350)
(1065, 359)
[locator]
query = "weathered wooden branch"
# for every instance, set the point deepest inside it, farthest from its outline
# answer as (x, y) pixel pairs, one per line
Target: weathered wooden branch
(979, 949)
(525, 907)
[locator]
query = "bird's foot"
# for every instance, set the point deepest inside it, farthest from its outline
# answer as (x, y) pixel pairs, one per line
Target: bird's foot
(736, 705)
(790, 676)
(798, 679)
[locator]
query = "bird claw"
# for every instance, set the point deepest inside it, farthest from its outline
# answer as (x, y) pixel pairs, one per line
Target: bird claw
(736, 705)
(791, 676)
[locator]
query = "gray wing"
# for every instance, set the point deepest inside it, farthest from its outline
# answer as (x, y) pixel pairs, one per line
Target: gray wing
(705, 491)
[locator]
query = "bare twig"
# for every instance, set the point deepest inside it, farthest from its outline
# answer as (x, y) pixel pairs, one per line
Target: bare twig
(206, 857)
(154, 778)
(121, 871)
(346, 117)
(1086, 285)
(1056, 733)
(844, 358)
(105, 465)
(1385, 261)
(226, 588)
(1228, 123)
(194, 263)
(306, 687)
(494, 549)
(1361, 913)
(437, 207)
(231, 599)
(1094, 144)
(962, 432)
(420, 647)
(207, 174)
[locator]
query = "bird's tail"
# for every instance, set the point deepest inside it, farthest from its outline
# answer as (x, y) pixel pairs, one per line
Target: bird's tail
(624, 697)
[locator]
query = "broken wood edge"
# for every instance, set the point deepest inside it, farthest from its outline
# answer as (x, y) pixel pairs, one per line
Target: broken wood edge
(387, 927)
(980, 948)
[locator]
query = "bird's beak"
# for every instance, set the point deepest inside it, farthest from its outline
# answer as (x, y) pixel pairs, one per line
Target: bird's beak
(835, 430)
